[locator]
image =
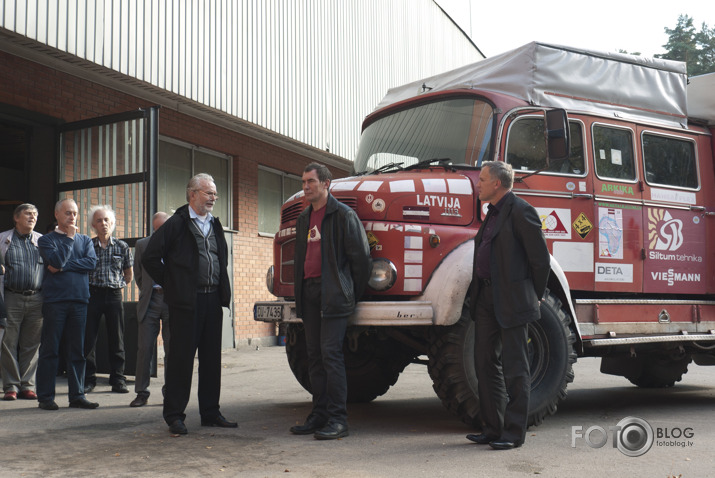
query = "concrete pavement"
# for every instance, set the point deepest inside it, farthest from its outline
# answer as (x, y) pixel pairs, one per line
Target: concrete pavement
(406, 432)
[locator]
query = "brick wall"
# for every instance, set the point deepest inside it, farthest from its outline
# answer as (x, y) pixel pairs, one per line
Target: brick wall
(33, 87)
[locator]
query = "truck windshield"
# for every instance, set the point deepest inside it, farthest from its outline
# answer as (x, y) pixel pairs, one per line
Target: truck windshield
(459, 129)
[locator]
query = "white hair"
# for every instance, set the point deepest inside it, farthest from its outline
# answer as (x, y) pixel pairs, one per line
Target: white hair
(194, 183)
(106, 208)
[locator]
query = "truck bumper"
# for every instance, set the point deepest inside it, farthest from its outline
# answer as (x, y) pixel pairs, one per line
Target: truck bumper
(402, 313)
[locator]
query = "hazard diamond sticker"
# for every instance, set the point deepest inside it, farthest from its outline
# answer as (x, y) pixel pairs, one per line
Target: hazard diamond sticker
(582, 226)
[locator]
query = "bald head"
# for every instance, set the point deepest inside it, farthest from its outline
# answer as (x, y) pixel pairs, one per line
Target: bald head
(159, 219)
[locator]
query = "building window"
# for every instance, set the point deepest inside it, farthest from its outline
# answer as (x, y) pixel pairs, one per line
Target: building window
(274, 188)
(178, 162)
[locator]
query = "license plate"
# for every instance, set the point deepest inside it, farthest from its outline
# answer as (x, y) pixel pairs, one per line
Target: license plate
(269, 312)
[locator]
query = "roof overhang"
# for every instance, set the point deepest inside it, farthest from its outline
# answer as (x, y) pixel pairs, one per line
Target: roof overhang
(31, 50)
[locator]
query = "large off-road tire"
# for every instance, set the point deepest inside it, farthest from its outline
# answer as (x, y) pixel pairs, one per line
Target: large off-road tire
(660, 372)
(371, 369)
(551, 353)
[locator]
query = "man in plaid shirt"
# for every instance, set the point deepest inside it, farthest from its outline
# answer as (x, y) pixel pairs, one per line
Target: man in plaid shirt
(112, 274)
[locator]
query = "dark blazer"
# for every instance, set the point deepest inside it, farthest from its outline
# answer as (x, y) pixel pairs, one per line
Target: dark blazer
(172, 258)
(142, 278)
(520, 263)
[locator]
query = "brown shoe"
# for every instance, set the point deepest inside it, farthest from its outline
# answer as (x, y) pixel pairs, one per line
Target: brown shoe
(27, 395)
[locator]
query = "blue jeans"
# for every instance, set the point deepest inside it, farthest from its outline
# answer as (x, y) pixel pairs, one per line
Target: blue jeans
(59, 317)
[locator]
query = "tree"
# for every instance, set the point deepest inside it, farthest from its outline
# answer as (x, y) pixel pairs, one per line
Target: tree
(697, 49)
(705, 40)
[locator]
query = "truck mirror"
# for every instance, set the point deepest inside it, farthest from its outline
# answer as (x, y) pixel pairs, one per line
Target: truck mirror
(557, 135)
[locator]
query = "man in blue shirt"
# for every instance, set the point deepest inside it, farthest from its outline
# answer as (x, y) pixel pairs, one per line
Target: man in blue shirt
(69, 258)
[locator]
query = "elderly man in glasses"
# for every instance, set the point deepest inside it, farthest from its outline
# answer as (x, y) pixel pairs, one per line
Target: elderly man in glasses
(188, 258)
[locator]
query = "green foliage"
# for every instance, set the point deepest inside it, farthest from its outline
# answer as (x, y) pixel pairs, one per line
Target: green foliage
(696, 48)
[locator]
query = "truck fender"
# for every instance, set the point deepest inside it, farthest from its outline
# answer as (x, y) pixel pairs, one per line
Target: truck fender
(449, 284)
(559, 285)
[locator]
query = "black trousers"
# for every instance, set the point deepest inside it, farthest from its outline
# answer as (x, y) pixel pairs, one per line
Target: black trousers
(192, 330)
(502, 364)
(107, 302)
(324, 340)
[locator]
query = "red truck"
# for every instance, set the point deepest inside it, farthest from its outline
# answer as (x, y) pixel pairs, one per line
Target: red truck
(616, 154)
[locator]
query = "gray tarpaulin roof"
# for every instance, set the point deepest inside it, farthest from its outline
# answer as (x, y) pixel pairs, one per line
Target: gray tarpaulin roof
(701, 98)
(615, 84)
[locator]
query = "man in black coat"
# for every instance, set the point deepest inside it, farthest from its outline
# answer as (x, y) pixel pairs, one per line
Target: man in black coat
(511, 269)
(188, 258)
(332, 267)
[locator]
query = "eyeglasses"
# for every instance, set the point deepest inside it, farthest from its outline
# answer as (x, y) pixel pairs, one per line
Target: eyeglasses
(208, 194)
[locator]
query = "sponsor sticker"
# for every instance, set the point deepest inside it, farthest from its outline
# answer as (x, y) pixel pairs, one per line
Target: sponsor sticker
(606, 272)
(378, 205)
(554, 222)
(610, 233)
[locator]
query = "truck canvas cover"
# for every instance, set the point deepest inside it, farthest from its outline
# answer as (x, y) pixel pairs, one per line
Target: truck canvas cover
(701, 98)
(613, 84)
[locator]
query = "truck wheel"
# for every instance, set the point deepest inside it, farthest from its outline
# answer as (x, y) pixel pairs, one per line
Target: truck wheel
(660, 372)
(297, 354)
(551, 359)
(551, 354)
(371, 369)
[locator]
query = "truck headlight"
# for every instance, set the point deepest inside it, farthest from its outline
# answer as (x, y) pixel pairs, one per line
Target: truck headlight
(383, 275)
(269, 279)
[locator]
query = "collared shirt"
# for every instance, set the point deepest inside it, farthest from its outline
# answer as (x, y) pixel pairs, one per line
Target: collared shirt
(111, 263)
(484, 251)
(23, 265)
(204, 224)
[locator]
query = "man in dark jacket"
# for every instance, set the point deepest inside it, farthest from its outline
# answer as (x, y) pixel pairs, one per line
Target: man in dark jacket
(511, 269)
(332, 267)
(188, 257)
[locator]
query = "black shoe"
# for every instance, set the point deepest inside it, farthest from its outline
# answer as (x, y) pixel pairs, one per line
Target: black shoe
(481, 439)
(88, 388)
(331, 431)
(140, 401)
(312, 424)
(120, 387)
(177, 427)
(219, 421)
(48, 405)
(504, 444)
(83, 403)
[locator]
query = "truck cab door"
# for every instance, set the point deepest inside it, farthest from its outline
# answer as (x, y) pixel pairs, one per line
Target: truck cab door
(675, 244)
(618, 263)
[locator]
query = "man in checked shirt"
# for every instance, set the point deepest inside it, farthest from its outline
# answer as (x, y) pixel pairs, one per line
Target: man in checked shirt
(21, 286)
(112, 274)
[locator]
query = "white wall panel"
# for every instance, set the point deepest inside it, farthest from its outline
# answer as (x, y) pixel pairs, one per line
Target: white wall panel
(308, 69)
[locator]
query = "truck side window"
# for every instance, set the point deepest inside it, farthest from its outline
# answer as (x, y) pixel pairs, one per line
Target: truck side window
(613, 153)
(526, 148)
(669, 161)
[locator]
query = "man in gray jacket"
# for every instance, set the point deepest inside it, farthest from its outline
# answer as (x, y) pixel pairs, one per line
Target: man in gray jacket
(21, 286)
(152, 315)
(332, 267)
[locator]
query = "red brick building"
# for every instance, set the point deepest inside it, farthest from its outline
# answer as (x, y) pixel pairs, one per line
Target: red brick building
(122, 102)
